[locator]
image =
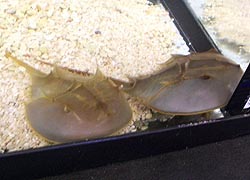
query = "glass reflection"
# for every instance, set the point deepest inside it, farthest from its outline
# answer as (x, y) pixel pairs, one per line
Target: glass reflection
(227, 23)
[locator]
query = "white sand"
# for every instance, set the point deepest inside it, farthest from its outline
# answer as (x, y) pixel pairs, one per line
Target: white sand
(123, 37)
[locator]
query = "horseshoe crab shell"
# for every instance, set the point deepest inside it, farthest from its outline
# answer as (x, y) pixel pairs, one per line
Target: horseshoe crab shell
(188, 84)
(67, 106)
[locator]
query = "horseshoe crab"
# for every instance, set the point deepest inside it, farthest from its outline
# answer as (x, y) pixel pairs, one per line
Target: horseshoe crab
(188, 84)
(68, 106)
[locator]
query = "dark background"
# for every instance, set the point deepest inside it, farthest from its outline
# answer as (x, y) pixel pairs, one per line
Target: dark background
(229, 159)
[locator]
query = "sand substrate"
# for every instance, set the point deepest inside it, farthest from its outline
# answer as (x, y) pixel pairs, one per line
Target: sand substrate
(120, 37)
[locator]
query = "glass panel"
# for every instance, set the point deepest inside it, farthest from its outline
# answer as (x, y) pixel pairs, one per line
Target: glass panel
(227, 23)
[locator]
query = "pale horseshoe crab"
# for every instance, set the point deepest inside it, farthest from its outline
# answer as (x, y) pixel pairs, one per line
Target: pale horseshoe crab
(67, 105)
(188, 84)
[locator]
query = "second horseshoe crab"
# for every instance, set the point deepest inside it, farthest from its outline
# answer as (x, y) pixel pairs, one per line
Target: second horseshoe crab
(188, 84)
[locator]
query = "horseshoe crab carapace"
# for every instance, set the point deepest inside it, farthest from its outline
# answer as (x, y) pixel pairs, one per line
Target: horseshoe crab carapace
(188, 84)
(67, 106)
